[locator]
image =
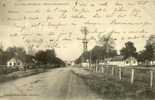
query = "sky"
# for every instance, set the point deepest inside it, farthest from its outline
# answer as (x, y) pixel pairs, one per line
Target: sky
(44, 23)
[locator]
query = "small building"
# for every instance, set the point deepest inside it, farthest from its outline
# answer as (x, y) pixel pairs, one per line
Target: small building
(117, 60)
(85, 64)
(105, 61)
(152, 63)
(131, 61)
(14, 63)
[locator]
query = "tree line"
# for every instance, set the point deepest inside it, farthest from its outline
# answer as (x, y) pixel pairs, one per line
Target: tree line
(106, 50)
(41, 57)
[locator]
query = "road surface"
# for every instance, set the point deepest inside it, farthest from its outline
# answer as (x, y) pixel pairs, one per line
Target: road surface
(56, 84)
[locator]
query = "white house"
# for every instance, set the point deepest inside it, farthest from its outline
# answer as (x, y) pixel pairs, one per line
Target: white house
(105, 61)
(152, 62)
(14, 62)
(131, 61)
(119, 61)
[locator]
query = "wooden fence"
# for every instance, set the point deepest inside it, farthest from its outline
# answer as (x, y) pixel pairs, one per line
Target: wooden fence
(132, 69)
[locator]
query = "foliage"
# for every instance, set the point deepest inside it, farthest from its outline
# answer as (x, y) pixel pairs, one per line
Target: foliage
(148, 53)
(10, 52)
(104, 50)
(97, 53)
(129, 50)
(47, 57)
(41, 57)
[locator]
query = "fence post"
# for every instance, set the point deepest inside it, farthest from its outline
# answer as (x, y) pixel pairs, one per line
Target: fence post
(103, 69)
(151, 78)
(120, 73)
(96, 68)
(132, 75)
(112, 70)
(93, 68)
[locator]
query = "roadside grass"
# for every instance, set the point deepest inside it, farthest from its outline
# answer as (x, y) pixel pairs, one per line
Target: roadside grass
(22, 74)
(19, 74)
(110, 87)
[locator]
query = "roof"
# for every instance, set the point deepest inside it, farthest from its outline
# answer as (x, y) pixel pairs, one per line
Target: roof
(131, 58)
(117, 58)
(14, 60)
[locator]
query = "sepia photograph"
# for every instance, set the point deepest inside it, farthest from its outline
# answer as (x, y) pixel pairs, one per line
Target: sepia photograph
(77, 49)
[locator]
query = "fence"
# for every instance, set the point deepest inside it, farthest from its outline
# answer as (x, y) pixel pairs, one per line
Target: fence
(146, 72)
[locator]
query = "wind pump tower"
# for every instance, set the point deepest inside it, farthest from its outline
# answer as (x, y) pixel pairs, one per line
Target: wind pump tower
(84, 40)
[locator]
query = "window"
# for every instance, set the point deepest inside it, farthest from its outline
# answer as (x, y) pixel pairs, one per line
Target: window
(18, 63)
(134, 61)
(127, 62)
(10, 64)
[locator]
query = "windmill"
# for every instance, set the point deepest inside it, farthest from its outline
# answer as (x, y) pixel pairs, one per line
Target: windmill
(85, 42)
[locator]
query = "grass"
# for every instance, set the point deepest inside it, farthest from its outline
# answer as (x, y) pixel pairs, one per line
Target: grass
(110, 87)
(20, 74)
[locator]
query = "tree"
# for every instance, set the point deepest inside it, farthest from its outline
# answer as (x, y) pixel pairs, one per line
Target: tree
(104, 50)
(146, 55)
(129, 50)
(1, 56)
(29, 59)
(107, 43)
(41, 57)
(10, 52)
(17, 52)
(141, 56)
(149, 53)
(151, 41)
(48, 57)
(96, 54)
(150, 45)
(84, 55)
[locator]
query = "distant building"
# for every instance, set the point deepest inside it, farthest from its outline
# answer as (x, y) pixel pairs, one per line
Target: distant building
(119, 61)
(85, 64)
(152, 62)
(14, 63)
(131, 61)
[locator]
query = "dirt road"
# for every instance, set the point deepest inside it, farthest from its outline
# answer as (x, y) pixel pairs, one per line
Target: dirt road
(57, 84)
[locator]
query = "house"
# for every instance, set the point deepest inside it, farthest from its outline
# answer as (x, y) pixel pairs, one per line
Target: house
(14, 63)
(152, 62)
(105, 61)
(131, 61)
(117, 60)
